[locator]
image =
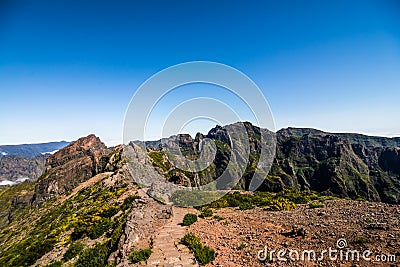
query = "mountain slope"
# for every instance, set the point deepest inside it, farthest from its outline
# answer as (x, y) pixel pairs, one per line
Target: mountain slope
(80, 212)
(99, 204)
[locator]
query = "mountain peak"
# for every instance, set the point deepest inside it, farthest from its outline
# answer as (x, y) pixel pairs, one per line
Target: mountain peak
(70, 166)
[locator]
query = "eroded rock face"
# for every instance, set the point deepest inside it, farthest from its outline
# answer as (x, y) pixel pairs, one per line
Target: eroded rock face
(336, 164)
(71, 166)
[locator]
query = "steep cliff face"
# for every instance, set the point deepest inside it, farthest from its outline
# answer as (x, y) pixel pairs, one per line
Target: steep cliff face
(336, 164)
(71, 166)
(352, 138)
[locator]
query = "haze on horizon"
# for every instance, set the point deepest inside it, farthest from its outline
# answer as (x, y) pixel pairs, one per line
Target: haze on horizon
(70, 68)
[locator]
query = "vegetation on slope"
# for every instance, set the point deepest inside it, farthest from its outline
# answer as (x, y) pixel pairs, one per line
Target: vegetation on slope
(203, 254)
(140, 255)
(285, 200)
(94, 213)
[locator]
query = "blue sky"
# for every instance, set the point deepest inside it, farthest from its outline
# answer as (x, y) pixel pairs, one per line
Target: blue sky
(69, 68)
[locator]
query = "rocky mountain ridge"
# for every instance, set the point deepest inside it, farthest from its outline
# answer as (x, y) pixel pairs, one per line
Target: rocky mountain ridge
(70, 166)
(353, 138)
(337, 164)
(345, 165)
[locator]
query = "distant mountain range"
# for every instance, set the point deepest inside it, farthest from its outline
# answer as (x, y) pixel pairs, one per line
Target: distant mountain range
(25, 162)
(31, 150)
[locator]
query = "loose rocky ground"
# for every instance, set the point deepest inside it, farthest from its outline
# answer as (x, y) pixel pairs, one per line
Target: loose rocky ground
(364, 225)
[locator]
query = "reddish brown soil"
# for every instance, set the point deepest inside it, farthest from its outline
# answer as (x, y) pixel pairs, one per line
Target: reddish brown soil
(364, 225)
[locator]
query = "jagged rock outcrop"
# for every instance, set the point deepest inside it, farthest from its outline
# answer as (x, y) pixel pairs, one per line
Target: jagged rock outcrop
(71, 166)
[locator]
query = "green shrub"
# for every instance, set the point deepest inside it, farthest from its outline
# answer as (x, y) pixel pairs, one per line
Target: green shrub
(296, 196)
(246, 206)
(218, 218)
(157, 157)
(99, 228)
(284, 200)
(206, 213)
(33, 251)
(93, 257)
(117, 232)
(220, 203)
(189, 219)
(53, 264)
(361, 240)
(128, 202)
(140, 255)
(73, 250)
(242, 246)
(93, 231)
(281, 204)
(108, 213)
(203, 254)
(191, 241)
(315, 205)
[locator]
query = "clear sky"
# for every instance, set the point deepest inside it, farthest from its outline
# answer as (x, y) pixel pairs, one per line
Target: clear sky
(69, 68)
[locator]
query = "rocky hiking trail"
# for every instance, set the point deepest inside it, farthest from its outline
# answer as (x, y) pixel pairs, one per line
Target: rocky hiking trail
(165, 241)
(167, 250)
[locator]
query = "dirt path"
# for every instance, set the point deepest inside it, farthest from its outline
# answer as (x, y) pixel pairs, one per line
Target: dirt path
(166, 248)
